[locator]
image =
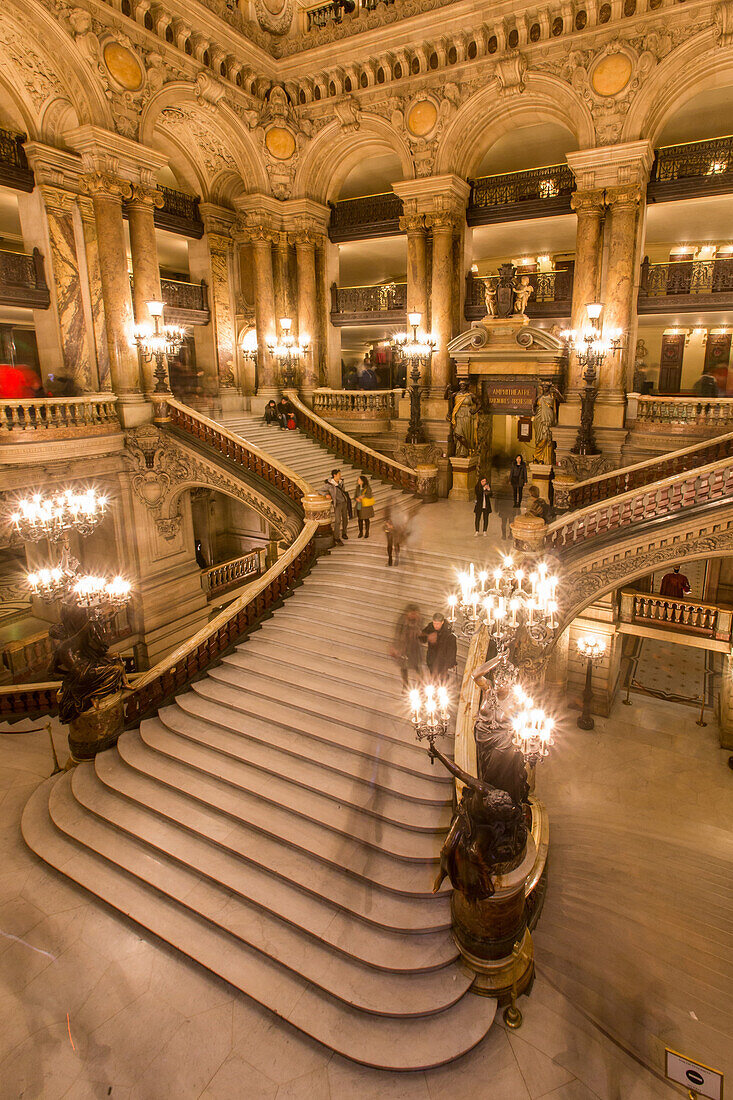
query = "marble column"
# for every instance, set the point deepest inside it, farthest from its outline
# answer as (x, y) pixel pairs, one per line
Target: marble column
(107, 194)
(75, 344)
(281, 274)
(441, 306)
(305, 253)
(264, 311)
(94, 278)
(620, 277)
(145, 268)
(590, 208)
(417, 265)
(220, 301)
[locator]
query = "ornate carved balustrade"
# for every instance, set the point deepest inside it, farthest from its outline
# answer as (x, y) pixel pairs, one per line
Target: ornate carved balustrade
(322, 15)
(553, 292)
(231, 574)
(351, 450)
(386, 302)
(517, 195)
(684, 285)
(660, 499)
(364, 218)
(186, 303)
(179, 213)
(23, 280)
(710, 414)
(25, 420)
(357, 404)
(683, 615)
(696, 168)
(14, 170)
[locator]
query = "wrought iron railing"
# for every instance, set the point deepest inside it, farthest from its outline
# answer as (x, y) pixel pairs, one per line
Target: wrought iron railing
(385, 298)
(370, 216)
(553, 292)
(14, 169)
(23, 280)
(231, 574)
(180, 295)
(649, 411)
(357, 404)
(503, 197)
(685, 278)
(684, 615)
(711, 160)
(24, 420)
(179, 213)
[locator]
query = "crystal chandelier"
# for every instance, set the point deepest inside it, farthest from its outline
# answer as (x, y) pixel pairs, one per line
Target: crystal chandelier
(157, 342)
(430, 712)
(288, 351)
(50, 518)
(515, 598)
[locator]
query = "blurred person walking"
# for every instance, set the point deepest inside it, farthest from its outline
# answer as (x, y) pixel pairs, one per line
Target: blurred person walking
(442, 652)
(406, 648)
(518, 478)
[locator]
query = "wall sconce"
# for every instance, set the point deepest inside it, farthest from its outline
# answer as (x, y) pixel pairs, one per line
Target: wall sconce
(248, 344)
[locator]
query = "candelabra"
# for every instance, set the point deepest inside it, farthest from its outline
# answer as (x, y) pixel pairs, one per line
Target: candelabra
(429, 712)
(515, 599)
(592, 649)
(590, 346)
(156, 342)
(532, 729)
(50, 518)
(288, 351)
(417, 350)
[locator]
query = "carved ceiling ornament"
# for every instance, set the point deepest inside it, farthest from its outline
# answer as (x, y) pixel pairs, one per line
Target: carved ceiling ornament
(275, 16)
(35, 72)
(191, 132)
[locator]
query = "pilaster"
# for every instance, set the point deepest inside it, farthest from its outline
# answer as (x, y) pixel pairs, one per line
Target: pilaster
(217, 246)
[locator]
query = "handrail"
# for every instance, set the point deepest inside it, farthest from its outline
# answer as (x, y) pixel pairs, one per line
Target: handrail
(464, 746)
(605, 486)
(85, 411)
(351, 449)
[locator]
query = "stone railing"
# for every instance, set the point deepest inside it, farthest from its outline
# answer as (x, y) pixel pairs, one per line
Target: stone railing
(515, 195)
(682, 283)
(684, 615)
(357, 404)
(387, 301)
(23, 280)
(605, 486)
(231, 574)
(553, 293)
(696, 168)
(710, 413)
(658, 500)
(47, 418)
(353, 451)
(14, 170)
(361, 219)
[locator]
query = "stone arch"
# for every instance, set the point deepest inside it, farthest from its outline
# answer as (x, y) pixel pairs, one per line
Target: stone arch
(333, 153)
(485, 117)
(209, 135)
(283, 523)
(697, 66)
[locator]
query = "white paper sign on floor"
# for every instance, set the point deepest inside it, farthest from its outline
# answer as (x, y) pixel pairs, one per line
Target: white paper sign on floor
(693, 1075)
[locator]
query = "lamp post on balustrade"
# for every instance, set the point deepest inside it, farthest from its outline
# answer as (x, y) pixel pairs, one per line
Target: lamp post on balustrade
(417, 349)
(592, 649)
(590, 346)
(157, 342)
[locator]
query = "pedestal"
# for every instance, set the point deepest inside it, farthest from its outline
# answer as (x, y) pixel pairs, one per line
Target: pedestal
(317, 508)
(529, 534)
(486, 931)
(427, 481)
(96, 729)
(231, 401)
(464, 478)
(541, 478)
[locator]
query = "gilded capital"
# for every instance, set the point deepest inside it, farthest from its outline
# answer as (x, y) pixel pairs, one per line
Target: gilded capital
(627, 195)
(146, 196)
(412, 223)
(57, 200)
(588, 202)
(441, 220)
(103, 185)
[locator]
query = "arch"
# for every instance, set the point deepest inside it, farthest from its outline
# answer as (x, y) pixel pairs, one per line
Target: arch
(484, 117)
(286, 525)
(694, 67)
(211, 138)
(332, 154)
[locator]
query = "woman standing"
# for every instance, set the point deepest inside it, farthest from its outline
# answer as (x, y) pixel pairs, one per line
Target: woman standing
(518, 478)
(364, 505)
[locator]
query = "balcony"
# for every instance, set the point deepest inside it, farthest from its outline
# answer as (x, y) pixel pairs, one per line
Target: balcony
(324, 15)
(686, 285)
(365, 218)
(179, 213)
(360, 305)
(231, 575)
(514, 196)
(553, 292)
(14, 170)
(185, 303)
(691, 171)
(23, 280)
(649, 614)
(63, 421)
(689, 414)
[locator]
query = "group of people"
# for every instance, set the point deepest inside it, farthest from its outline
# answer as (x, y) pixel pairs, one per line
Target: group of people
(283, 412)
(482, 494)
(441, 651)
(343, 507)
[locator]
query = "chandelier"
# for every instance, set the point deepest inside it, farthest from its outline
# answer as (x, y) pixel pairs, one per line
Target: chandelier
(157, 341)
(288, 351)
(531, 728)
(416, 349)
(514, 598)
(429, 712)
(38, 517)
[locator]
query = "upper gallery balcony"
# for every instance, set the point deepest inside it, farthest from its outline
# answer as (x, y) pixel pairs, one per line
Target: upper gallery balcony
(364, 218)
(515, 196)
(693, 170)
(23, 280)
(686, 285)
(358, 305)
(179, 213)
(186, 303)
(553, 292)
(316, 16)
(14, 170)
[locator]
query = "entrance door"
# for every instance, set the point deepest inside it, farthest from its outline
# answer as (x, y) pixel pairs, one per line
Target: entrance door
(670, 368)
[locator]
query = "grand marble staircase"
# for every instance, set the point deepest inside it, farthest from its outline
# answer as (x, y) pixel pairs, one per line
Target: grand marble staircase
(314, 462)
(279, 824)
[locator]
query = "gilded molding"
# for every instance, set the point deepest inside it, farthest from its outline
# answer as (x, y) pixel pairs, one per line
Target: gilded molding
(588, 203)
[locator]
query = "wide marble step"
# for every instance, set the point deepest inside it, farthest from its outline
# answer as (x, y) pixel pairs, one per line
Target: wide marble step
(388, 1043)
(292, 930)
(333, 889)
(346, 660)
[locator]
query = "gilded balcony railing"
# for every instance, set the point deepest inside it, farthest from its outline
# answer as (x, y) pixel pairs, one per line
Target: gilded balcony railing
(23, 280)
(370, 216)
(179, 213)
(696, 168)
(24, 420)
(387, 301)
(672, 613)
(356, 404)
(684, 282)
(517, 195)
(231, 574)
(14, 170)
(553, 292)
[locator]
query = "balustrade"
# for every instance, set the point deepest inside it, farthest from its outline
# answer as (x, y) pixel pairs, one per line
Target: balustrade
(685, 615)
(359, 404)
(517, 195)
(14, 170)
(363, 301)
(23, 280)
(363, 218)
(58, 417)
(714, 414)
(696, 168)
(553, 292)
(231, 574)
(179, 213)
(685, 281)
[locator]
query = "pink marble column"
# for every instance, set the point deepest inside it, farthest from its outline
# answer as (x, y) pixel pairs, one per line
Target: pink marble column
(221, 307)
(264, 309)
(620, 278)
(413, 225)
(441, 299)
(305, 252)
(590, 208)
(145, 268)
(75, 344)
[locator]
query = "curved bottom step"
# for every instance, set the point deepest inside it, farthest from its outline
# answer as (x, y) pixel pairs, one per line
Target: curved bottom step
(398, 1044)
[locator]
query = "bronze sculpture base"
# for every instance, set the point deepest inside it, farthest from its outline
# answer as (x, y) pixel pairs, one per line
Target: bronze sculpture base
(96, 729)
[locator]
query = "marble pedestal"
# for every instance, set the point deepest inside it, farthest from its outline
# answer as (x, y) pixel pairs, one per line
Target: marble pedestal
(317, 509)
(541, 478)
(133, 409)
(231, 401)
(96, 729)
(464, 478)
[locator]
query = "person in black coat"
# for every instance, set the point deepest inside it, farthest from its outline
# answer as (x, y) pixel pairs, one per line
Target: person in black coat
(518, 478)
(482, 507)
(442, 647)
